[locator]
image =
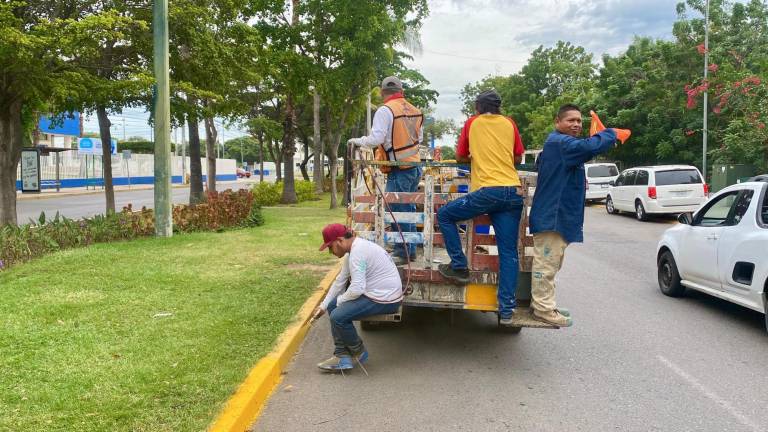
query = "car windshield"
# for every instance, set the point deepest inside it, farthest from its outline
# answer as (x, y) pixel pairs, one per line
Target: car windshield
(602, 171)
(675, 177)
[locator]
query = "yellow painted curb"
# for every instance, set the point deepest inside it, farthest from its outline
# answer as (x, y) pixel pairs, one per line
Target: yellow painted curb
(246, 404)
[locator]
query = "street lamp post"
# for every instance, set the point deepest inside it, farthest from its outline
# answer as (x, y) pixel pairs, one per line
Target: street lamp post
(162, 129)
(706, 90)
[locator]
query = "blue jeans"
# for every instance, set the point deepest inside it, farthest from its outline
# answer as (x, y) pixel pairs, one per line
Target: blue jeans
(505, 207)
(343, 330)
(403, 181)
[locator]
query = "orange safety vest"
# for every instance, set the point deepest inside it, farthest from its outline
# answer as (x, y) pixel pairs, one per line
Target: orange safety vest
(406, 124)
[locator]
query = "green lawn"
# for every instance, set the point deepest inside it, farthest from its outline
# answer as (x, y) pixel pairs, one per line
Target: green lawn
(154, 334)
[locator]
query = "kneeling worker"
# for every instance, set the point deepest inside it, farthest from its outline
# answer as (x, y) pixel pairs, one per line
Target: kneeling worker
(374, 288)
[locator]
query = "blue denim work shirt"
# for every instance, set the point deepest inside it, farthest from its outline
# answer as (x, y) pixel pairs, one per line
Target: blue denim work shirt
(558, 204)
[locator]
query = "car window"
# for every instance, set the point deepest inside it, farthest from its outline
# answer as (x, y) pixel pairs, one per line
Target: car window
(742, 205)
(629, 178)
(619, 180)
(602, 171)
(642, 178)
(716, 212)
(764, 210)
(675, 177)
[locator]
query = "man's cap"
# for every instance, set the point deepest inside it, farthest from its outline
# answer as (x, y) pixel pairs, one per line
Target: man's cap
(392, 83)
(489, 98)
(331, 232)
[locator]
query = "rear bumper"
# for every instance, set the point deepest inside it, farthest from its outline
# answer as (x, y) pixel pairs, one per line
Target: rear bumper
(596, 193)
(653, 207)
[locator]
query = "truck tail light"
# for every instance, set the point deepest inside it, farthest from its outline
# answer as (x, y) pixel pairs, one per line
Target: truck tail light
(652, 192)
(706, 189)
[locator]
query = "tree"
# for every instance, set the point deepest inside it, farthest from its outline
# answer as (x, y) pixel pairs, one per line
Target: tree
(33, 77)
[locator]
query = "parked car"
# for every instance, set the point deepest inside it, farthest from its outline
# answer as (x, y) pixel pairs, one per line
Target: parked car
(720, 250)
(664, 189)
(242, 173)
(598, 178)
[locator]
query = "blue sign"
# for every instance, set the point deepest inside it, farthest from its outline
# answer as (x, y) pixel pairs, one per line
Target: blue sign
(85, 143)
(61, 124)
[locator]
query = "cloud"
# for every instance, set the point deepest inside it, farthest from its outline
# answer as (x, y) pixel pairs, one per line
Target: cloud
(466, 40)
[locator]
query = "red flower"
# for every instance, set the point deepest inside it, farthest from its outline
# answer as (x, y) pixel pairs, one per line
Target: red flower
(761, 125)
(717, 109)
(712, 68)
(701, 48)
(689, 132)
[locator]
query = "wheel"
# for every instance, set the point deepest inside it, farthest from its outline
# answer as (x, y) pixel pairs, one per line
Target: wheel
(609, 206)
(640, 213)
(669, 277)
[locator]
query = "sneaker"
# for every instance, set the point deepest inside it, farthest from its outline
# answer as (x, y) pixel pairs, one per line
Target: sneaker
(362, 356)
(564, 312)
(458, 275)
(554, 317)
(338, 363)
(506, 322)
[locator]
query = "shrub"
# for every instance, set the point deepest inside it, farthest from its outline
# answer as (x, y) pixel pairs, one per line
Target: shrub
(267, 194)
(222, 210)
(305, 191)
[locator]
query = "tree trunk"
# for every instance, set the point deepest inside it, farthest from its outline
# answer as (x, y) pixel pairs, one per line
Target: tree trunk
(303, 164)
(317, 143)
(261, 157)
(11, 142)
(196, 194)
(288, 151)
(332, 157)
(276, 158)
(106, 158)
(211, 135)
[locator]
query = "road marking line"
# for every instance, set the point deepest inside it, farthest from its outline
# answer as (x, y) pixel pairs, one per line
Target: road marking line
(714, 397)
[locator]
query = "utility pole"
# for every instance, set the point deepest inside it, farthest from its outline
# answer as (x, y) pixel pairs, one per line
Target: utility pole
(184, 151)
(706, 90)
(162, 129)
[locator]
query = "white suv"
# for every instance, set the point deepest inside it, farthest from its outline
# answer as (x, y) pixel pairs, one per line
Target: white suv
(663, 189)
(598, 178)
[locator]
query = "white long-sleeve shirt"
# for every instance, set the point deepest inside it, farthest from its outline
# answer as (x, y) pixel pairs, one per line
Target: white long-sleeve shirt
(371, 273)
(381, 130)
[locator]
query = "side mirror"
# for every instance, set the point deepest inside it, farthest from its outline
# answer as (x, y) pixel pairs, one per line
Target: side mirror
(685, 218)
(612, 182)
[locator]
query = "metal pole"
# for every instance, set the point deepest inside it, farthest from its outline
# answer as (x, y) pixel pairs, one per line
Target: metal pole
(184, 151)
(162, 129)
(368, 114)
(706, 91)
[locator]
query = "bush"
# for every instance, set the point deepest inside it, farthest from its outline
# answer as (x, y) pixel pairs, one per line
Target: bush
(267, 194)
(222, 210)
(255, 217)
(305, 191)
(140, 147)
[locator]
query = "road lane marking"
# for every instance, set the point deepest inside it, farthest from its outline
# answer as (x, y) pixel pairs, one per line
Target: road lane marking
(714, 397)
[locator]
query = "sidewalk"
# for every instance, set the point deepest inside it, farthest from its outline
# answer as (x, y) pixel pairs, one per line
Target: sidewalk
(52, 193)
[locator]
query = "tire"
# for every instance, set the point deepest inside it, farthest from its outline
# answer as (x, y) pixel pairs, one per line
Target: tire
(668, 276)
(609, 207)
(640, 213)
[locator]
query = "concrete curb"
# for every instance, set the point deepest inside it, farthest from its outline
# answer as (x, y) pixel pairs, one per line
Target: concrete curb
(49, 195)
(244, 407)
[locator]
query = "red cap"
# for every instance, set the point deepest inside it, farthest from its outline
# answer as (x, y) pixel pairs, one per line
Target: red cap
(331, 232)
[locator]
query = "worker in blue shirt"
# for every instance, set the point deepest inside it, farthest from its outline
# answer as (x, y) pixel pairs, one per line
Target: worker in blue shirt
(557, 214)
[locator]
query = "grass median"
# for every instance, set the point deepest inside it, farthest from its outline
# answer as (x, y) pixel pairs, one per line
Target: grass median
(152, 334)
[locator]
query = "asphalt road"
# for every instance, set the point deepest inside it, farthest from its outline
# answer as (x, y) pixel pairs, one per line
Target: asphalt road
(80, 206)
(634, 360)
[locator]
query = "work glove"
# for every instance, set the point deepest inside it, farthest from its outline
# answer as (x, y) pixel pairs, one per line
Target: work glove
(355, 142)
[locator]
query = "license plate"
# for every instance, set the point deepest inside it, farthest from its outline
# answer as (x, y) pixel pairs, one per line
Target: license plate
(679, 194)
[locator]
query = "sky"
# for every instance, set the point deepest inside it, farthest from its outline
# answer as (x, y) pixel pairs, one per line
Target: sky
(466, 40)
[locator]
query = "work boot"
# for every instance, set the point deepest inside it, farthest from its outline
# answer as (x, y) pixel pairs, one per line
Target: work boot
(338, 363)
(564, 312)
(457, 275)
(553, 317)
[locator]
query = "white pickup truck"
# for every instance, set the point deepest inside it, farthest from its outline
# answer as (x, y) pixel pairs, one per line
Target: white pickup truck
(722, 250)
